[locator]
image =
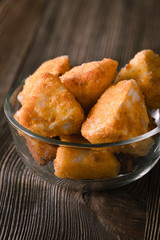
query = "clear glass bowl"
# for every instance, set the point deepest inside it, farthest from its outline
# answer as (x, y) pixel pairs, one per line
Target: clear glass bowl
(132, 167)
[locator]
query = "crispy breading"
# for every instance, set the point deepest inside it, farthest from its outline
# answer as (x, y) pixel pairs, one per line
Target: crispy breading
(145, 69)
(88, 81)
(51, 110)
(56, 66)
(42, 152)
(119, 114)
(77, 163)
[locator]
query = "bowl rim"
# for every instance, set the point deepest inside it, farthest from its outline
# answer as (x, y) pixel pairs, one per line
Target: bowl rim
(29, 133)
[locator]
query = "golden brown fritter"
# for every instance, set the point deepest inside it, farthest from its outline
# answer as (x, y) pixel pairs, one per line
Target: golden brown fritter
(119, 114)
(88, 81)
(56, 66)
(42, 152)
(145, 69)
(77, 163)
(51, 110)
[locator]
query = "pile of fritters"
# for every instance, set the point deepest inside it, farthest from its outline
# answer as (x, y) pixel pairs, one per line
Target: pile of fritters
(81, 105)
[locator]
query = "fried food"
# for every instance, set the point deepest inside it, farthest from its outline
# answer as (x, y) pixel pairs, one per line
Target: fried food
(77, 163)
(119, 114)
(88, 81)
(145, 69)
(51, 110)
(56, 66)
(42, 152)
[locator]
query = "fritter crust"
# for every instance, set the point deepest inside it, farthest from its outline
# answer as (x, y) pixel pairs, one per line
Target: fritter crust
(76, 163)
(42, 152)
(56, 66)
(119, 114)
(145, 69)
(51, 109)
(88, 81)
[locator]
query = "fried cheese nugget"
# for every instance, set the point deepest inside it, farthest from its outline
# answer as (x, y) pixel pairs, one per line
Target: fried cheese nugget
(42, 152)
(56, 66)
(88, 81)
(51, 110)
(145, 69)
(77, 163)
(119, 114)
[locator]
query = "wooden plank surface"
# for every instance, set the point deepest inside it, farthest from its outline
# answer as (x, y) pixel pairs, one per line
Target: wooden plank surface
(31, 32)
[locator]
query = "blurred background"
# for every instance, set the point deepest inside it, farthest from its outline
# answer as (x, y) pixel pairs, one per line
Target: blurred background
(86, 30)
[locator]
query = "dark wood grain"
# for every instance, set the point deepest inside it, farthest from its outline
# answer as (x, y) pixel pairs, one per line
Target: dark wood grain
(30, 33)
(19, 21)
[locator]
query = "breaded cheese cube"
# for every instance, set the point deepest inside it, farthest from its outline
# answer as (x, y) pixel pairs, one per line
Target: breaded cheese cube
(42, 152)
(145, 69)
(88, 81)
(51, 110)
(119, 114)
(56, 66)
(77, 163)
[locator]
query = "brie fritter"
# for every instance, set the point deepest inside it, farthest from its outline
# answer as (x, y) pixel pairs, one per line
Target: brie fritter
(56, 66)
(119, 114)
(88, 81)
(51, 110)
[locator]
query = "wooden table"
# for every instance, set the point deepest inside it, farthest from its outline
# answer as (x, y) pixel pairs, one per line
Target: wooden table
(31, 32)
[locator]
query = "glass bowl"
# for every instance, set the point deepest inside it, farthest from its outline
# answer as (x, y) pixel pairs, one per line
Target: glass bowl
(135, 161)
